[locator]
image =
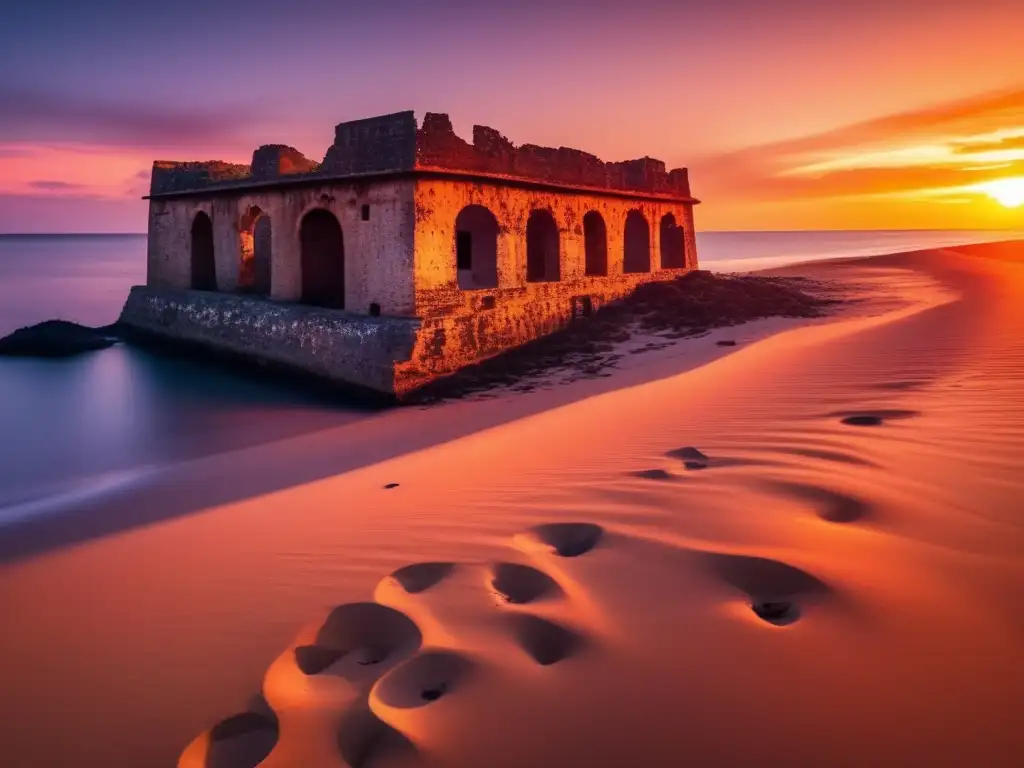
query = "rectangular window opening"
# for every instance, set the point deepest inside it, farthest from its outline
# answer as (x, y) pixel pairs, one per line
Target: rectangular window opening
(464, 250)
(366, 212)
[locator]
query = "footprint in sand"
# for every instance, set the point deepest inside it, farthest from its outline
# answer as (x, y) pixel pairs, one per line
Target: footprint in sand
(773, 589)
(358, 635)
(424, 679)
(654, 474)
(420, 577)
(830, 505)
(872, 418)
(240, 741)
(692, 458)
(561, 539)
(339, 680)
(364, 740)
(359, 678)
(545, 641)
(516, 583)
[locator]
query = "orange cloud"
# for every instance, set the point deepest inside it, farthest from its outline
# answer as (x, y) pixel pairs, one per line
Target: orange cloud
(951, 149)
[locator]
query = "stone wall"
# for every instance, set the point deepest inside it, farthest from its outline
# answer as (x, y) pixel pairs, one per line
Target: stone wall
(378, 251)
(437, 146)
(392, 144)
(396, 189)
(403, 259)
(374, 145)
(336, 346)
(171, 176)
(274, 160)
(461, 326)
(438, 203)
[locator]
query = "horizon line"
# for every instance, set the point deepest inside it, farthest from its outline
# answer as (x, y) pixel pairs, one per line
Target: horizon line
(699, 231)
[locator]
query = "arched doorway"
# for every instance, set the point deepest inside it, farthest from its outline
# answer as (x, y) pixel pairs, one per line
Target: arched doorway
(254, 246)
(637, 244)
(595, 244)
(204, 265)
(542, 248)
(673, 253)
(476, 248)
(323, 260)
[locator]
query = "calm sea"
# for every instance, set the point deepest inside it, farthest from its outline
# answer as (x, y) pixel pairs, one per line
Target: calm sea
(92, 424)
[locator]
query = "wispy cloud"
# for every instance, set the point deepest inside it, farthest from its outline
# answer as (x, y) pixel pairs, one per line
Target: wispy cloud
(952, 146)
(137, 184)
(58, 186)
(37, 117)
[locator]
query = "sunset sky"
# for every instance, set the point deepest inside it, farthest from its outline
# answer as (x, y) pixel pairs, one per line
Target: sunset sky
(790, 114)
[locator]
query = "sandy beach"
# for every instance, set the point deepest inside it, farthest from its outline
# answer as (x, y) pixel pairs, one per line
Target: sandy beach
(803, 549)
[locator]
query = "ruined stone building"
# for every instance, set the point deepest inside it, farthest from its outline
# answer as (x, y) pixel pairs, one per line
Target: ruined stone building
(406, 254)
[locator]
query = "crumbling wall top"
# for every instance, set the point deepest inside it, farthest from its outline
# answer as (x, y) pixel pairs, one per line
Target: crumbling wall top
(272, 160)
(438, 146)
(394, 144)
(171, 176)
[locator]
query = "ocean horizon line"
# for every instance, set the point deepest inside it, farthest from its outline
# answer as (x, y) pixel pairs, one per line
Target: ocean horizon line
(699, 231)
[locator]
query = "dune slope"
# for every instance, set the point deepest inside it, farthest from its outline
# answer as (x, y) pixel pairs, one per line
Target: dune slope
(806, 553)
(808, 550)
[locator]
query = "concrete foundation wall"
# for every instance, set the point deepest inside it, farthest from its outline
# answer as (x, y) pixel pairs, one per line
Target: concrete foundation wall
(378, 251)
(336, 346)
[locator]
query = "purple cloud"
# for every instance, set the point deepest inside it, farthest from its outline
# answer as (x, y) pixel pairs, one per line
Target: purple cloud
(29, 116)
(63, 186)
(138, 183)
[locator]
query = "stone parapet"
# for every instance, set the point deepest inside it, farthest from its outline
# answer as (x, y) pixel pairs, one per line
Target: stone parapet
(393, 144)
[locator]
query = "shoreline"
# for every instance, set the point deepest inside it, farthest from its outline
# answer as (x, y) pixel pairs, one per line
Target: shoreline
(793, 506)
(375, 432)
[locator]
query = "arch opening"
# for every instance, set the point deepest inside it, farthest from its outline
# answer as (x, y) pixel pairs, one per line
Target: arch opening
(203, 263)
(476, 248)
(542, 248)
(254, 247)
(673, 249)
(595, 244)
(636, 244)
(322, 260)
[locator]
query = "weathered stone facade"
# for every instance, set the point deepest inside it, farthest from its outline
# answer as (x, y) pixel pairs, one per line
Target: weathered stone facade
(475, 247)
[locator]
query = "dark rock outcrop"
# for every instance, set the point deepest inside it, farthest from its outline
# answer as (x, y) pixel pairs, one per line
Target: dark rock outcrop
(56, 338)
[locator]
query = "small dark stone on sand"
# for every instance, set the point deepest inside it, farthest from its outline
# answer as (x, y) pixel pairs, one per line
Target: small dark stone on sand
(689, 453)
(726, 343)
(695, 465)
(653, 474)
(389, 486)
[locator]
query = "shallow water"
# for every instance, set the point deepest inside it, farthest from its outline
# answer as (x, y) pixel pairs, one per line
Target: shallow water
(79, 427)
(70, 428)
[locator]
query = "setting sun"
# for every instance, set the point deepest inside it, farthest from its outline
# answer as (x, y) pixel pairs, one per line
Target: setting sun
(1006, 192)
